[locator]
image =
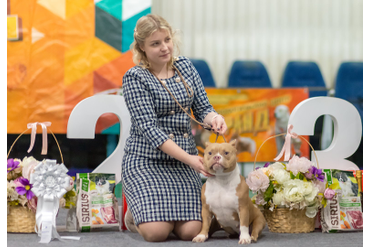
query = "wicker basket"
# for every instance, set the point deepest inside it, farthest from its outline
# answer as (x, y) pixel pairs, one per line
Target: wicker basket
(21, 220)
(284, 220)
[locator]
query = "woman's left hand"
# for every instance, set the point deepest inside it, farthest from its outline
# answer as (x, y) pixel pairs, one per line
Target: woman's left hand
(218, 124)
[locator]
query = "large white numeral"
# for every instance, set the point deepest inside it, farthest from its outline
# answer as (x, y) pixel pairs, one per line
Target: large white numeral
(347, 129)
(82, 122)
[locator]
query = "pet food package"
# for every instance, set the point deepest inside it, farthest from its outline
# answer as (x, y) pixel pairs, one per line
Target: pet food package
(97, 206)
(343, 212)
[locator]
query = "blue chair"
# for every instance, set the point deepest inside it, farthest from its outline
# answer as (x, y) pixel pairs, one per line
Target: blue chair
(251, 74)
(349, 84)
(305, 74)
(204, 72)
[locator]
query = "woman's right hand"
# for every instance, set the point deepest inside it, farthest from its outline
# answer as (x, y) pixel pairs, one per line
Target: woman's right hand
(196, 162)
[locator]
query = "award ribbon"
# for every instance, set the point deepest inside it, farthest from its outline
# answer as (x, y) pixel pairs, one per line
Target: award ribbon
(49, 181)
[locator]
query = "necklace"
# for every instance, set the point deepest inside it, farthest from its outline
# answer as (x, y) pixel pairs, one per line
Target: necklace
(190, 93)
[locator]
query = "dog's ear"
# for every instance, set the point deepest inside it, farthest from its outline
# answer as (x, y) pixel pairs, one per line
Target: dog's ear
(207, 144)
(233, 143)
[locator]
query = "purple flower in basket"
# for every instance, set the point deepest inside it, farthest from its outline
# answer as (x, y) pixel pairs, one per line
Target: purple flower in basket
(12, 164)
(314, 172)
(266, 165)
(25, 188)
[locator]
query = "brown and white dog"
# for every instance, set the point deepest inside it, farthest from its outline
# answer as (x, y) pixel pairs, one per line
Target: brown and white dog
(226, 196)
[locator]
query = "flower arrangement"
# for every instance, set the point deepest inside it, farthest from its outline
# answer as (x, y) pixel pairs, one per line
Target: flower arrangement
(19, 191)
(295, 185)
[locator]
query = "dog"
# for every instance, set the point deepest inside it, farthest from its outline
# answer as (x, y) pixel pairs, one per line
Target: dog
(225, 196)
(102, 186)
(282, 115)
(348, 188)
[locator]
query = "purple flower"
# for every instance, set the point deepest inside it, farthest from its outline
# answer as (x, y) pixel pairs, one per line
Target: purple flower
(314, 172)
(25, 188)
(12, 164)
(266, 165)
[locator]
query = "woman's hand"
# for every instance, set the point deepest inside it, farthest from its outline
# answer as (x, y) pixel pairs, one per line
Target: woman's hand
(196, 162)
(218, 124)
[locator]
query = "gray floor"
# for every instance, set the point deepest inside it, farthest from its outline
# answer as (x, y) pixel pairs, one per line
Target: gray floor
(219, 239)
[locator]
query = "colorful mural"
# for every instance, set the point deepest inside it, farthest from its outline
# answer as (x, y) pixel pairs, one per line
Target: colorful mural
(61, 52)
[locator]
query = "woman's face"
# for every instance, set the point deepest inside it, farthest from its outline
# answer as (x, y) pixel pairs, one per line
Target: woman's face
(158, 48)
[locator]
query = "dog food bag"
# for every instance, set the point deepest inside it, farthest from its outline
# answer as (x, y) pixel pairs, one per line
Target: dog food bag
(343, 212)
(97, 206)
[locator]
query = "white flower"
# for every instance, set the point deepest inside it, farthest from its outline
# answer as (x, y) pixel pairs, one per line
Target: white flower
(276, 165)
(297, 164)
(11, 193)
(280, 175)
(28, 164)
(278, 198)
(293, 190)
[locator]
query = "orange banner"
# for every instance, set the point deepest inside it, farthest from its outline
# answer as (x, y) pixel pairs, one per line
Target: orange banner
(61, 52)
(252, 116)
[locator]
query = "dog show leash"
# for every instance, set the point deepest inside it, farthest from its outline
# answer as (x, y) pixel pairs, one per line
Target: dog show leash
(187, 88)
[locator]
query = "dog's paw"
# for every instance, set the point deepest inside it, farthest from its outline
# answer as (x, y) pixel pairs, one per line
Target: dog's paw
(245, 240)
(253, 238)
(200, 238)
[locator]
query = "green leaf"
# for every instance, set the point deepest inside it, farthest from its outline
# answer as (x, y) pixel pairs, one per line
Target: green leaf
(292, 175)
(269, 192)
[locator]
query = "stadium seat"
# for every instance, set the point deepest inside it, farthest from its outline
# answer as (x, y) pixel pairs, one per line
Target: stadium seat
(250, 74)
(349, 84)
(305, 74)
(204, 72)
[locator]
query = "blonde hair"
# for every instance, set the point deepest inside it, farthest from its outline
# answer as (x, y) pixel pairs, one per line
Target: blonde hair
(145, 27)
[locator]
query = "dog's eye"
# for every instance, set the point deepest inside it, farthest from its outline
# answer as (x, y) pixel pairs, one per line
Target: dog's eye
(210, 153)
(226, 153)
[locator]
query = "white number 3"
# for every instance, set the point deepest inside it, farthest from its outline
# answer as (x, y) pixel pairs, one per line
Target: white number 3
(347, 129)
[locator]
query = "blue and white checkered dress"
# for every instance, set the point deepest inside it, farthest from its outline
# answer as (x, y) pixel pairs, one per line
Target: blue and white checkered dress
(158, 187)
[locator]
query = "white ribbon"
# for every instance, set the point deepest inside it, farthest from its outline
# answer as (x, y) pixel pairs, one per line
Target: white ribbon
(49, 182)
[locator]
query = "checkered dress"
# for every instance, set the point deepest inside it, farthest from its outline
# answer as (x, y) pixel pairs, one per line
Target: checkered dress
(158, 187)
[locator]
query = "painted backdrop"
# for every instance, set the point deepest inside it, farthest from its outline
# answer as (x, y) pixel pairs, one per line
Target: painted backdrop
(63, 51)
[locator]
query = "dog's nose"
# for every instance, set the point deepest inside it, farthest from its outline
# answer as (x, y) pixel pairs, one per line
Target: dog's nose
(217, 157)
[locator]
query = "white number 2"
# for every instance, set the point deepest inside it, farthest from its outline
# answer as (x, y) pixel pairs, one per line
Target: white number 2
(347, 129)
(82, 122)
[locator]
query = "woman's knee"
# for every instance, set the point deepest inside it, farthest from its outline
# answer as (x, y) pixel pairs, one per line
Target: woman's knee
(187, 230)
(155, 231)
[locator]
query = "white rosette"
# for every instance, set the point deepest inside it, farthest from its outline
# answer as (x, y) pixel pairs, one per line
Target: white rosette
(49, 183)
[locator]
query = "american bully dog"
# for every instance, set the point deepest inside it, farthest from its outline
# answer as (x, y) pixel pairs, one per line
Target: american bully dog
(226, 196)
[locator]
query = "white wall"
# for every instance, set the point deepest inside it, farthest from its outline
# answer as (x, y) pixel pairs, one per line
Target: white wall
(272, 31)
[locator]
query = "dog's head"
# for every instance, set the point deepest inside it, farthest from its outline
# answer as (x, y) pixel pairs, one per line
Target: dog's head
(100, 181)
(220, 157)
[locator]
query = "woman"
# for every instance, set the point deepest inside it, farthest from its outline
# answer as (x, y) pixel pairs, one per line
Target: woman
(160, 169)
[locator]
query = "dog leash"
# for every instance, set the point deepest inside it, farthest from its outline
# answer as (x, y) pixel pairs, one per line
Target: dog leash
(217, 137)
(190, 94)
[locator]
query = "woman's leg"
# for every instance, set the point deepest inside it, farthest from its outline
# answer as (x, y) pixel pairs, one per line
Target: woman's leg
(187, 230)
(155, 231)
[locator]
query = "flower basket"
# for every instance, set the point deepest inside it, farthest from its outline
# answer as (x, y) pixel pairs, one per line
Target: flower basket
(285, 220)
(289, 195)
(21, 208)
(21, 220)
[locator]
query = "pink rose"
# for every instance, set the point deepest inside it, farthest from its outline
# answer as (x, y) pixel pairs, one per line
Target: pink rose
(329, 194)
(32, 204)
(257, 180)
(297, 164)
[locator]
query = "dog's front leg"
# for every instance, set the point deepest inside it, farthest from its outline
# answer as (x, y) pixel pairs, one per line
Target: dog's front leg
(244, 238)
(206, 220)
